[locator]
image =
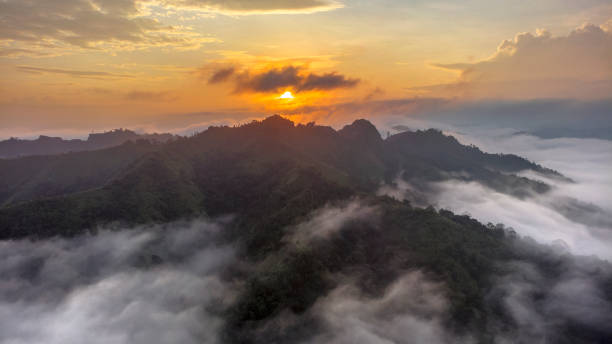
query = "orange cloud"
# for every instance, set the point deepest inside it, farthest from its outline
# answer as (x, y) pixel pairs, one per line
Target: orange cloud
(578, 65)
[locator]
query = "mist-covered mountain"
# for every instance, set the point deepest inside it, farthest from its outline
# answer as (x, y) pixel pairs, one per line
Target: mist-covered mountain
(284, 233)
(252, 169)
(47, 145)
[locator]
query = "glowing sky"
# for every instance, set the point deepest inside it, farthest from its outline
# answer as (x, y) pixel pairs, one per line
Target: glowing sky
(94, 64)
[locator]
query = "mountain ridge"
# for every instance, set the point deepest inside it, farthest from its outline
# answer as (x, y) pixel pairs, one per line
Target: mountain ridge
(262, 161)
(49, 145)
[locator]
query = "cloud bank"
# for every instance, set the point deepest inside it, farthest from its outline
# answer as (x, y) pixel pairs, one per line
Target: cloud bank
(150, 285)
(549, 296)
(579, 213)
(541, 66)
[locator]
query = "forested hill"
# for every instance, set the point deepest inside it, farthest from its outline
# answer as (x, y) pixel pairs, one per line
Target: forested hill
(47, 145)
(262, 167)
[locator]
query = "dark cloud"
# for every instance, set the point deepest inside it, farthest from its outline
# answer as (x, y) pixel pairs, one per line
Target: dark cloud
(326, 81)
(268, 81)
(75, 73)
(276, 79)
(221, 75)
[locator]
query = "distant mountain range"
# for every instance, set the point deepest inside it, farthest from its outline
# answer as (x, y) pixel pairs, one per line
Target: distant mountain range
(270, 176)
(46, 145)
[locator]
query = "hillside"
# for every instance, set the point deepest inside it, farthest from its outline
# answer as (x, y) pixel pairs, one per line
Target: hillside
(267, 167)
(298, 204)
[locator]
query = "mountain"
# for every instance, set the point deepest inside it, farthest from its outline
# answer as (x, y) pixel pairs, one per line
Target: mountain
(274, 179)
(46, 145)
(262, 167)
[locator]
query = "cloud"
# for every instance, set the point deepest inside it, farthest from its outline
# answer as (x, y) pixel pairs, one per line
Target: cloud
(250, 7)
(534, 217)
(579, 213)
(158, 284)
(412, 310)
(41, 27)
(74, 73)
(35, 28)
(547, 118)
(221, 75)
(540, 65)
(331, 219)
(542, 305)
(277, 79)
(326, 81)
(269, 81)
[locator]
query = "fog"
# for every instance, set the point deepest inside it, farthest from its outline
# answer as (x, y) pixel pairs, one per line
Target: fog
(159, 284)
(173, 283)
(579, 213)
(330, 219)
(548, 297)
(544, 300)
(412, 310)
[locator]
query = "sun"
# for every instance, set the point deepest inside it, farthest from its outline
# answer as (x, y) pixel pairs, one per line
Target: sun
(287, 95)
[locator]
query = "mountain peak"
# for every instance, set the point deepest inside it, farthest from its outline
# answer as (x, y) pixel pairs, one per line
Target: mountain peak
(361, 129)
(278, 122)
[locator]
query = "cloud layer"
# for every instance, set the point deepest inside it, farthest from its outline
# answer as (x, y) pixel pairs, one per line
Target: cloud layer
(579, 213)
(149, 285)
(35, 28)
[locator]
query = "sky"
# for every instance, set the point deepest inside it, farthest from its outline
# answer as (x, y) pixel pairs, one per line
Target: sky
(73, 66)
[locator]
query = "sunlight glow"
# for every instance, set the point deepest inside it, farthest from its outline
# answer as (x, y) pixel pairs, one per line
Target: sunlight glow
(286, 95)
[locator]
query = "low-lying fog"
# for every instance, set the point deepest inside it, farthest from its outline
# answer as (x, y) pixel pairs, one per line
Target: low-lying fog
(579, 213)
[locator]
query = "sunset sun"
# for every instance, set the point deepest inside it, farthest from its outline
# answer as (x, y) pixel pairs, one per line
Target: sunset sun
(287, 95)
